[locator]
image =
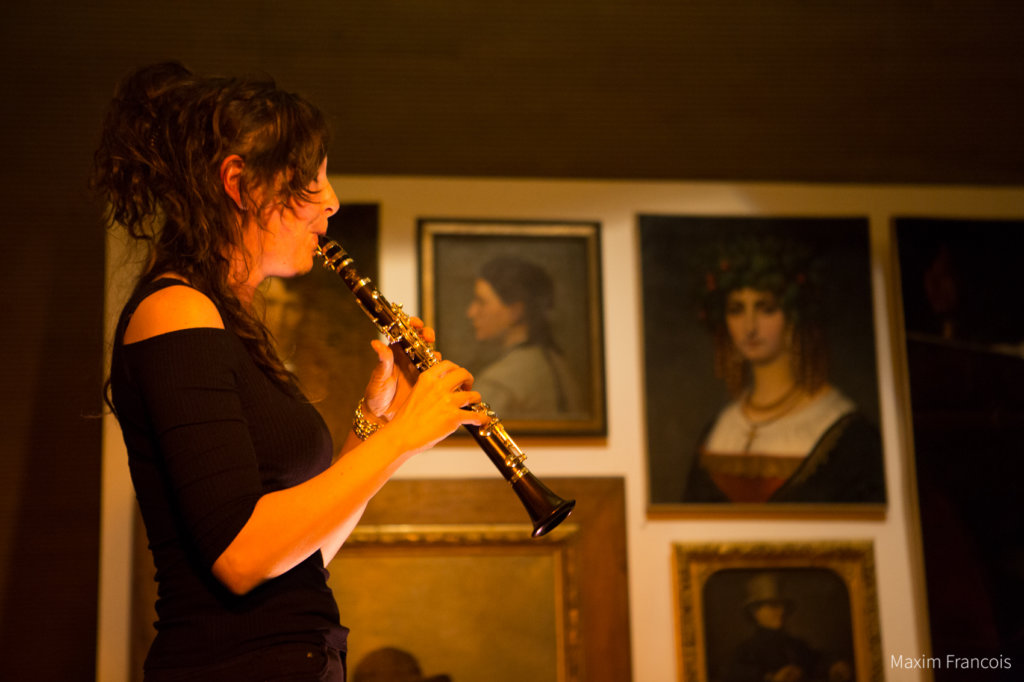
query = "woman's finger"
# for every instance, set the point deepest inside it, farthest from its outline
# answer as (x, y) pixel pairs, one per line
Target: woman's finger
(383, 383)
(426, 332)
(383, 352)
(465, 398)
(450, 375)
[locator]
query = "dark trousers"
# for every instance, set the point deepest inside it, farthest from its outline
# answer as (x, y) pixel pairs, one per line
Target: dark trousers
(292, 662)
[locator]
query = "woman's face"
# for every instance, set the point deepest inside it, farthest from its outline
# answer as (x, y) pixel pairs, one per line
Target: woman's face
(490, 317)
(756, 324)
(288, 239)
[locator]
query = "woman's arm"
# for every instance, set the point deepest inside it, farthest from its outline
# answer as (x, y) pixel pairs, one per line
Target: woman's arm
(287, 526)
(330, 549)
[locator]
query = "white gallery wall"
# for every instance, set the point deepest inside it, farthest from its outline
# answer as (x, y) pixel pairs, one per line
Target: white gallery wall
(616, 205)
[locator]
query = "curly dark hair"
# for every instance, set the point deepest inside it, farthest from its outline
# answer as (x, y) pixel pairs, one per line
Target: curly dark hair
(783, 267)
(165, 135)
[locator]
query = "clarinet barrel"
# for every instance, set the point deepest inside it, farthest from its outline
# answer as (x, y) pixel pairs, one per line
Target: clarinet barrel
(545, 508)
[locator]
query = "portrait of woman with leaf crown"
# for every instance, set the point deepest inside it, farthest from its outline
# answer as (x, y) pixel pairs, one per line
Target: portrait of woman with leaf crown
(788, 434)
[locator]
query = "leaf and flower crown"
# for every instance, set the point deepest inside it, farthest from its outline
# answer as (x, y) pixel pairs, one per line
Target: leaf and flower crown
(784, 267)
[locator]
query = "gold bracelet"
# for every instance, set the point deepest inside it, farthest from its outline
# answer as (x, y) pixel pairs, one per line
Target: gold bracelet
(363, 427)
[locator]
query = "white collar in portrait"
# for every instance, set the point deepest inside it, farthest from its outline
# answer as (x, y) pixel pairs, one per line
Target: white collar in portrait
(792, 435)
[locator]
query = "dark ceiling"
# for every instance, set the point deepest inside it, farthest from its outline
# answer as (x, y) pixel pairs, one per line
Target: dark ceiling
(867, 91)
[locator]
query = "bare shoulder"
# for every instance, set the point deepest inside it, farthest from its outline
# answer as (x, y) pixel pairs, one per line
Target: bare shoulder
(172, 309)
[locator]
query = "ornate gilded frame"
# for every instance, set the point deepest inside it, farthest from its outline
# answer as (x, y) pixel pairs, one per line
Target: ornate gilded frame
(464, 599)
(704, 572)
(596, 561)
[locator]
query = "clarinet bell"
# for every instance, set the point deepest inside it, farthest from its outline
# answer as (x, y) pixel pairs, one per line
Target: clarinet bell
(545, 508)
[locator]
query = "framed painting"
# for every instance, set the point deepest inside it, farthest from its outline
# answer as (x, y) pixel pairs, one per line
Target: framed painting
(565, 593)
(963, 322)
(763, 611)
(519, 305)
(437, 599)
(319, 330)
(563, 599)
(761, 382)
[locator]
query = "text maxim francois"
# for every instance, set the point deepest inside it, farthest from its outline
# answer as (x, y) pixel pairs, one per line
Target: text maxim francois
(950, 662)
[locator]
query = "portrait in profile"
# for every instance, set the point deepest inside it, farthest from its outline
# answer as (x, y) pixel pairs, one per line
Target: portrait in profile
(519, 305)
(761, 381)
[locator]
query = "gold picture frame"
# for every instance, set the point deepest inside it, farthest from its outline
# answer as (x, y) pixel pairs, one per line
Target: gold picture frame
(463, 600)
(596, 565)
(829, 598)
(456, 518)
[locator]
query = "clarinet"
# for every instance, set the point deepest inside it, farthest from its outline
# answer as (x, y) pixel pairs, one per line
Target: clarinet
(545, 508)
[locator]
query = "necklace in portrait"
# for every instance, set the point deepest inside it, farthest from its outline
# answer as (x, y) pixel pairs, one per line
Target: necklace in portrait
(753, 426)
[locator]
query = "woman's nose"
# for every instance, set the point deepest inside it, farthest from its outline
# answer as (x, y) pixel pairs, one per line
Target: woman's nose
(330, 199)
(749, 323)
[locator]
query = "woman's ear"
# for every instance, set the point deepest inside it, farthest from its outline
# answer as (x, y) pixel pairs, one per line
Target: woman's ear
(231, 176)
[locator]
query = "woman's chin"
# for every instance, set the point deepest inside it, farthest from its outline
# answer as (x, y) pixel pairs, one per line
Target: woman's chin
(305, 265)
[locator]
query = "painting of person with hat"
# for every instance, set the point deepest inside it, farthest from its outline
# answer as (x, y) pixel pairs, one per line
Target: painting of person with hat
(771, 653)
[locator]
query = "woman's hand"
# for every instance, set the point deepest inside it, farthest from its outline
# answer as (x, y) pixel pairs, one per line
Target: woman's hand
(391, 381)
(431, 403)
(434, 408)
